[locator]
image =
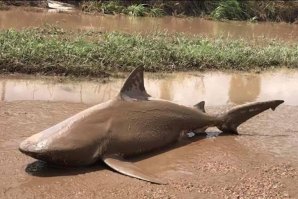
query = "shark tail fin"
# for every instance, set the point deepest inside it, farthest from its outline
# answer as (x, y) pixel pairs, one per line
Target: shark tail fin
(229, 121)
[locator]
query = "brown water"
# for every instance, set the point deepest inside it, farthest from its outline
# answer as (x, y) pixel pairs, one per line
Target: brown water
(260, 163)
(216, 88)
(19, 18)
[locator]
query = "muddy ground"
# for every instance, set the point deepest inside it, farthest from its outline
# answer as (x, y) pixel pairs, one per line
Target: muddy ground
(261, 163)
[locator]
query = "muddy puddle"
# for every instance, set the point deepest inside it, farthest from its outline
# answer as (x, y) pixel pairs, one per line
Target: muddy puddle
(19, 18)
(260, 163)
(188, 88)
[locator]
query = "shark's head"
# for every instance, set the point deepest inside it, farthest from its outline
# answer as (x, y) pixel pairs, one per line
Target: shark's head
(63, 144)
(34, 146)
(81, 139)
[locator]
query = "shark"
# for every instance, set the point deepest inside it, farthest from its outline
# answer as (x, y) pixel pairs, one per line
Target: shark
(130, 124)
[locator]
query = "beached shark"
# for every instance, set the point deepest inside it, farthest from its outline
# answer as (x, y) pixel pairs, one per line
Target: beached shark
(132, 123)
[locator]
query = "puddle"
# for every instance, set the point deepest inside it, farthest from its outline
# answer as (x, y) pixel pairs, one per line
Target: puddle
(216, 164)
(19, 18)
(264, 153)
(187, 88)
(216, 88)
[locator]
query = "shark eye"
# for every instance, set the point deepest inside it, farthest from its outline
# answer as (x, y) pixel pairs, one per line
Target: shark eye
(190, 134)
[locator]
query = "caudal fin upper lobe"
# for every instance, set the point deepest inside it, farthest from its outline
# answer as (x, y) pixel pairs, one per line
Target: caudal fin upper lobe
(236, 116)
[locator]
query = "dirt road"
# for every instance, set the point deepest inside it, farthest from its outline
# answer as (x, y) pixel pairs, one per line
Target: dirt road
(261, 163)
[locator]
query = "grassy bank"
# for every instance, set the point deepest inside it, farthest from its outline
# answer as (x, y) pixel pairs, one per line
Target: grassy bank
(261, 10)
(216, 9)
(3, 6)
(54, 51)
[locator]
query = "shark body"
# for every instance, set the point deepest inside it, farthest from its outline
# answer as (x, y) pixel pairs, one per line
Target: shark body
(130, 124)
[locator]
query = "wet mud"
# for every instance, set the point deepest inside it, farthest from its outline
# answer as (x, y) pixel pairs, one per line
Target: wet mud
(259, 163)
(19, 18)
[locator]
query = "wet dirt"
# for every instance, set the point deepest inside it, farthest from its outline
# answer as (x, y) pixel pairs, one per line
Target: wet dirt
(20, 18)
(260, 163)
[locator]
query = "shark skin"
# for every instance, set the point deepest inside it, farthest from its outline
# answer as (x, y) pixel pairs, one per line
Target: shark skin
(132, 123)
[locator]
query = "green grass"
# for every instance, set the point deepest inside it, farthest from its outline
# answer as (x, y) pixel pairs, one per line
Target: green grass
(112, 7)
(260, 10)
(3, 6)
(136, 10)
(229, 9)
(54, 51)
(117, 7)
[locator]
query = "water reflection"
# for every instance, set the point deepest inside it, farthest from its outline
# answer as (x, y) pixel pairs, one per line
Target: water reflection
(2, 90)
(19, 18)
(215, 88)
(248, 85)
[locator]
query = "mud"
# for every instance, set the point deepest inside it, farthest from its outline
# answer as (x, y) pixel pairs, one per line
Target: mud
(19, 18)
(260, 163)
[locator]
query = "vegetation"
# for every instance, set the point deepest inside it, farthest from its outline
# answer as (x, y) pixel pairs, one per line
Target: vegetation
(216, 9)
(253, 10)
(39, 3)
(55, 51)
(114, 7)
(229, 9)
(2, 6)
(256, 10)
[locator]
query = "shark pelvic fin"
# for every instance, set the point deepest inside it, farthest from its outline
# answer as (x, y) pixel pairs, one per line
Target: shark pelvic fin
(133, 88)
(201, 106)
(122, 166)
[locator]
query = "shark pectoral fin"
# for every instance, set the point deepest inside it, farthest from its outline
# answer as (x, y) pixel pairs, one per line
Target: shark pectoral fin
(127, 168)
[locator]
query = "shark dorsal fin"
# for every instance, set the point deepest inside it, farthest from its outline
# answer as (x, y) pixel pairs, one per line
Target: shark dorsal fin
(201, 106)
(134, 88)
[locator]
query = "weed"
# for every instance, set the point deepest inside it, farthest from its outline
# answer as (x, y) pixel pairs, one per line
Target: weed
(229, 9)
(137, 10)
(112, 7)
(156, 12)
(91, 6)
(55, 51)
(3, 6)
(217, 9)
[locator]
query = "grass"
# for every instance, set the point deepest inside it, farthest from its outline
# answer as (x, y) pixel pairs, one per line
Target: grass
(55, 51)
(3, 6)
(260, 10)
(229, 9)
(141, 10)
(136, 10)
(117, 7)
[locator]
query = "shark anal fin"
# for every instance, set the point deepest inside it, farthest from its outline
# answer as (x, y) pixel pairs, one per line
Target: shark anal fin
(127, 168)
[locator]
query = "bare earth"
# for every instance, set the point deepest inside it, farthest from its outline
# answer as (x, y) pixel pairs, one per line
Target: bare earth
(261, 163)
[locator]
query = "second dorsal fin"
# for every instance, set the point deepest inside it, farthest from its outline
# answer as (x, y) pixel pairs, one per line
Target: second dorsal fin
(201, 106)
(134, 88)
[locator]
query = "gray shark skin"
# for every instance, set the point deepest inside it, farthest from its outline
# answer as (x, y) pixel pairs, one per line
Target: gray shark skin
(130, 124)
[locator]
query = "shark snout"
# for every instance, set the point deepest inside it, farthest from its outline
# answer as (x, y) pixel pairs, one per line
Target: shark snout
(33, 147)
